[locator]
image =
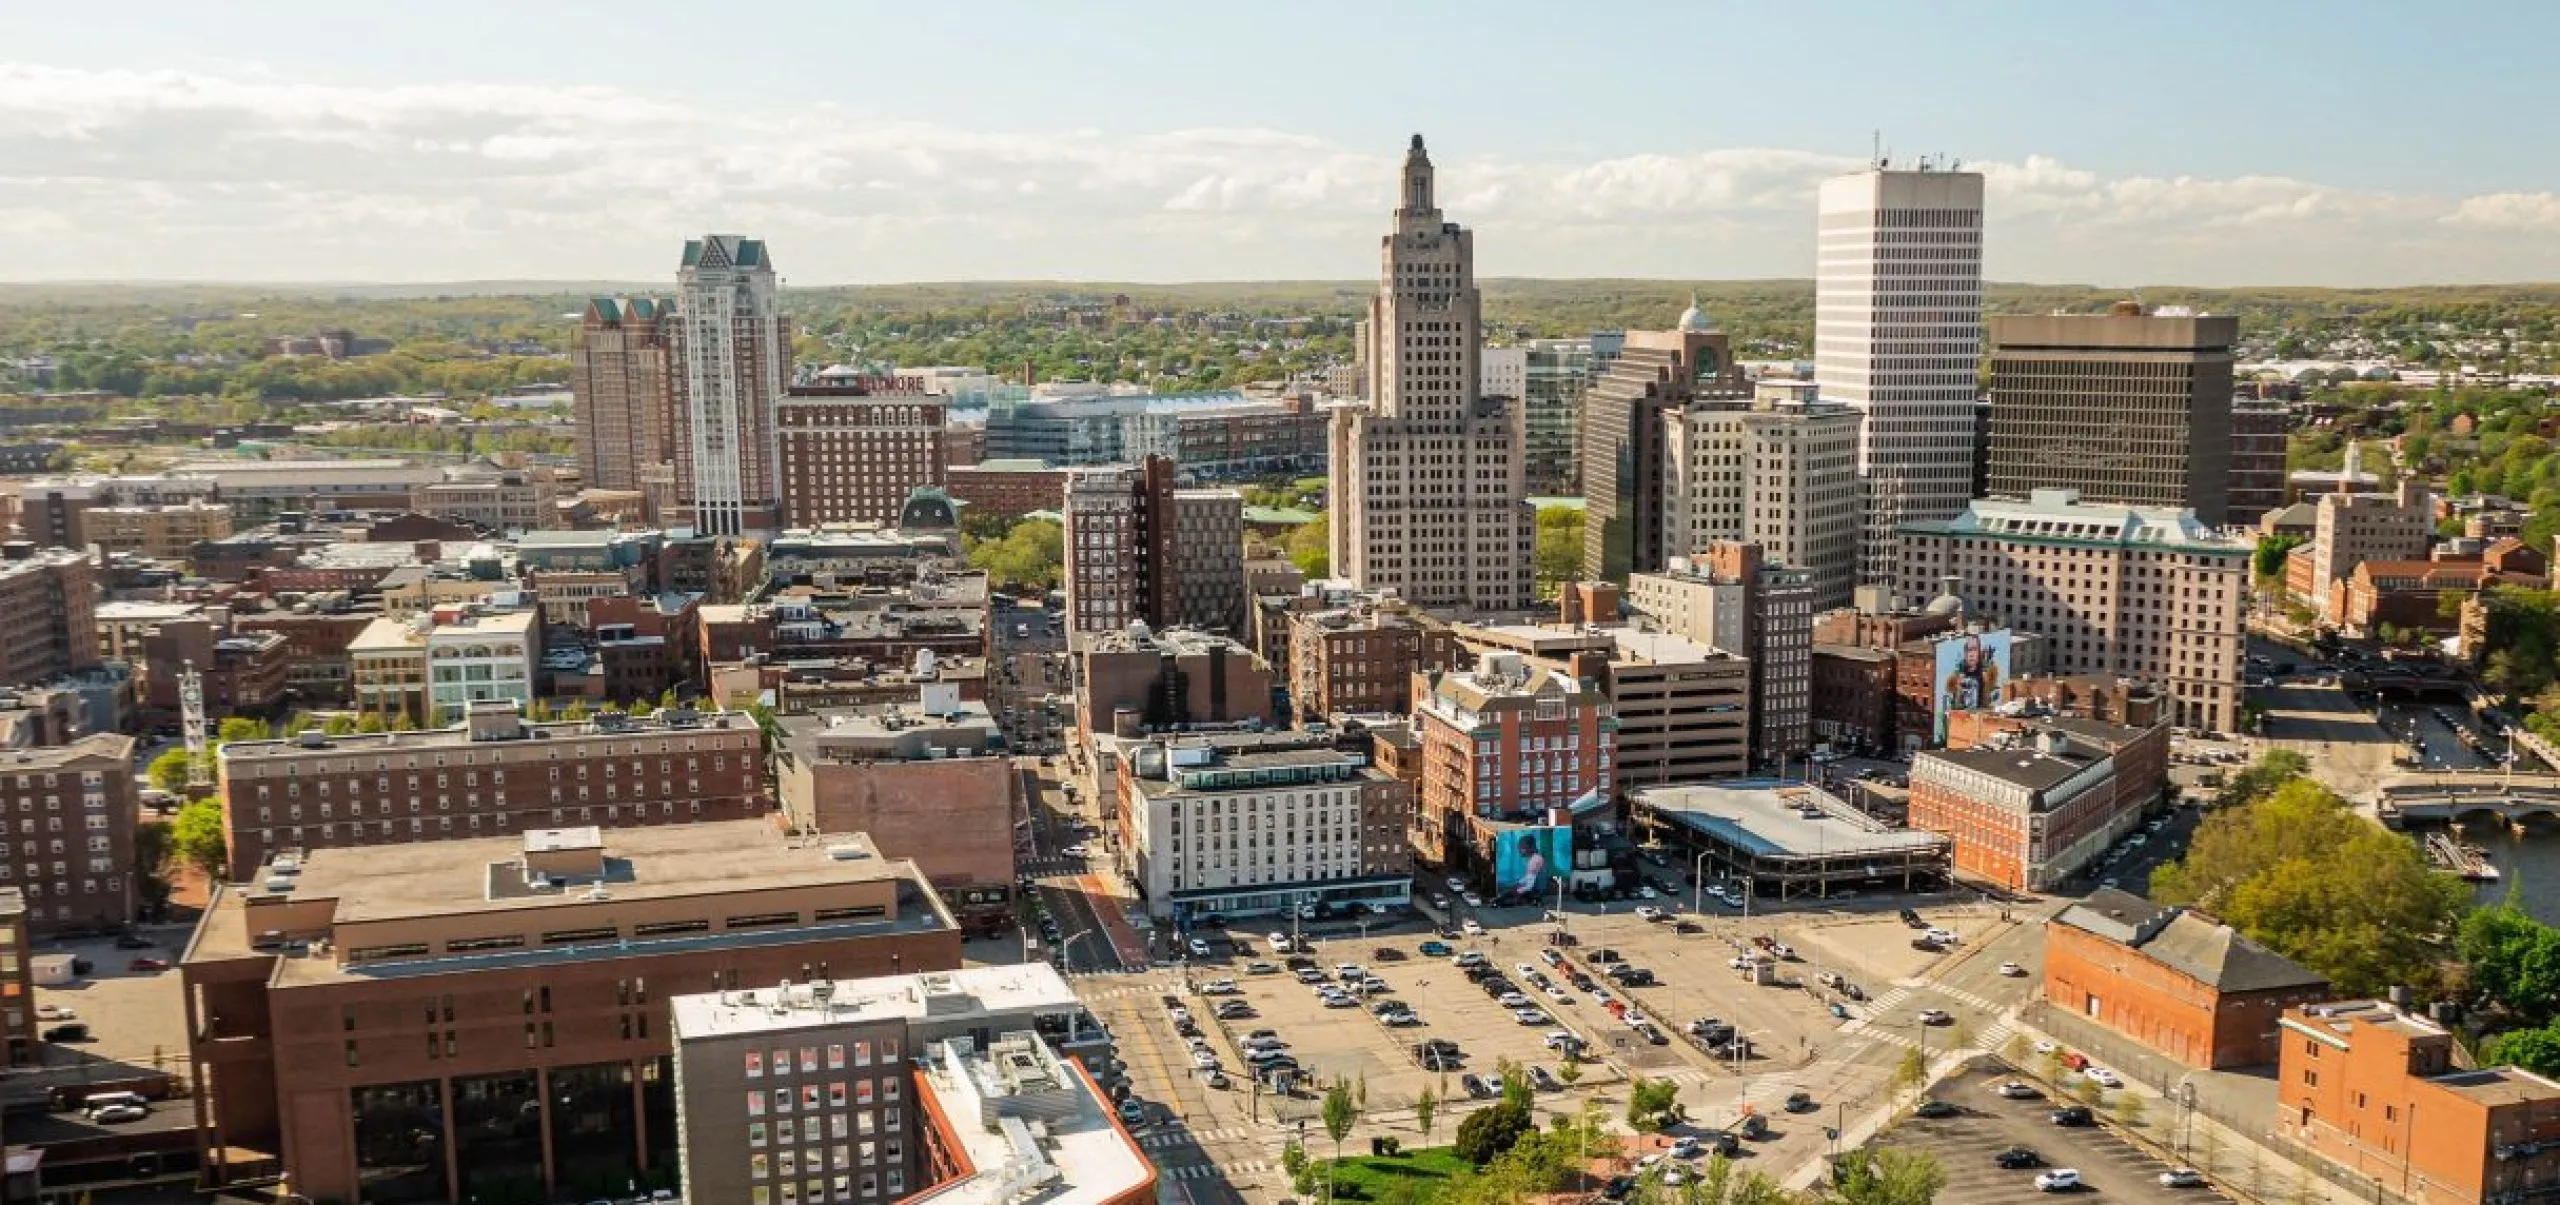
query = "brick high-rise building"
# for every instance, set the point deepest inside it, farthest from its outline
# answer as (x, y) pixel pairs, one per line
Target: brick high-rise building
(48, 614)
(1627, 520)
(1427, 478)
(1504, 743)
(732, 354)
(1733, 598)
(77, 872)
(851, 453)
(620, 388)
(1897, 334)
(1139, 550)
(2127, 406)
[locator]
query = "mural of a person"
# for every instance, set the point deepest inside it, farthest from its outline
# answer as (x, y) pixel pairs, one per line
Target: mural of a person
(1533, 866)
(1975, 682)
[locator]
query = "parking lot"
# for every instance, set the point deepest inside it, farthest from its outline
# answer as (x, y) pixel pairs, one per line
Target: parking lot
(1986, 1124)
(1354, 1043)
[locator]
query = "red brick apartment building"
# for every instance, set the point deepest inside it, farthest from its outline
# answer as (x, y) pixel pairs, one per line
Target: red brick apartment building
(2174, 980)
(2372, 1089)
(2032, 807)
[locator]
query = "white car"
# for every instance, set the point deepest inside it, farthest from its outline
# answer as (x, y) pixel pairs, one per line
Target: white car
(1473, 900)
(1672, 1176)
(1940, 936)
(1646, 893)
(1687, 1148)
(1180, 1015)
(1529, 1016)
(2103, 1077)
(1524, 968)
(2046, 1046)
(1742, 962)
(1338, 1000)
(2060, 1179)
(2182, 1177)
(2017, 1090)
(1204, 1060)
(1471, 929)
(1198, 948)
(1649, 912)
(116, 1114)
(1077, 851)
(2012, 970)
(1218, 987)
(1457, 884)
(1785, 952)
(1512, 1000)
(1559, 995)
(1934, 1016)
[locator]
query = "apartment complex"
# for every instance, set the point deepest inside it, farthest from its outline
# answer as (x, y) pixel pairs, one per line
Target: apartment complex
(1628, 519)
(2027, 809)
(2120, 591)
(852, 452)
(53, 511)
(731, 355)
(1259, 824)
(488, 1019)
(2351, 529)
(167, 532)
(1897, 335)
(492, 497)
(432, 667)
(1360, 659)
(2128, 406)
(1733, 597)
(1140, 550)
(69, 856)
(621, 390)
(1682, 709)
(1427, 477)
(491, 776)
(943, 1085)
(2176, 981)
(1505, 742)
(927, 781)
(2373, 1089)
(48, 613)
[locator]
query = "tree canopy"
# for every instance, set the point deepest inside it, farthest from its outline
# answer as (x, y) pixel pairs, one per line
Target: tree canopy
(1028, 556)
(2299, 872)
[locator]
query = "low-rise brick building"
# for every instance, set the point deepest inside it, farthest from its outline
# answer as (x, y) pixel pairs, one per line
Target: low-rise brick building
(2176, 981)
(1853, 696)
(2032, 804)
(2373, 1090)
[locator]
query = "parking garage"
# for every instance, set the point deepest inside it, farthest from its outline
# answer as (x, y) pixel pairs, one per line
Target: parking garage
(1788, 839)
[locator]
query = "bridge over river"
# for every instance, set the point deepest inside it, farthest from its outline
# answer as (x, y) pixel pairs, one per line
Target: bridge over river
(2451, 796)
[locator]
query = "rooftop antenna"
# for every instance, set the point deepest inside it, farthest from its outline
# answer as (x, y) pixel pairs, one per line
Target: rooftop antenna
(1875, 147)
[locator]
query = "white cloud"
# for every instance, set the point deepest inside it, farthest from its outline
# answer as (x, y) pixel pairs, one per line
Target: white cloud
(247, 175)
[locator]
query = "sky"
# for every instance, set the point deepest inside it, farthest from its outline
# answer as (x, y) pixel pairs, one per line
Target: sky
(2259, 143)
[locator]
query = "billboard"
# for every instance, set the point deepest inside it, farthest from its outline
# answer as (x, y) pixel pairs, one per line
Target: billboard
(1969, 671)
(1528, 861)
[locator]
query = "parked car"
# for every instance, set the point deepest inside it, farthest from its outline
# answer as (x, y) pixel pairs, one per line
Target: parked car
(74, 1032)
(1933, 1107)
(2182, 1177)
(147, 964)
(2018, 1157)
(2017, 1090)
(116, 1114)
(2060, 1179)
(2073, 1117)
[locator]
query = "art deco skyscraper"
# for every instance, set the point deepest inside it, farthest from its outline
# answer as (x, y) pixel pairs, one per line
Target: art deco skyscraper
(732, 355)
(619, 388)
(1897, 335)
(1427, 485)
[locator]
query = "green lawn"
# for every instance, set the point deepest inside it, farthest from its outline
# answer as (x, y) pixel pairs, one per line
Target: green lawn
(1366, 1178)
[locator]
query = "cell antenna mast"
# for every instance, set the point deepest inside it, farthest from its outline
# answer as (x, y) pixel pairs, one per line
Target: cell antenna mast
(191, 722)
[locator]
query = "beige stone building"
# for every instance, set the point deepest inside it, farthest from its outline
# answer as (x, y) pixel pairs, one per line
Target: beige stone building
(1247, 824)
(164, 533)
(2135, 592)
(1683, 709)
(1427, 483)
(619, 385)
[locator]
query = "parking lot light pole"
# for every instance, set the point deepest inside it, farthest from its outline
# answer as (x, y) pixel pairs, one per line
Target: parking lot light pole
(1698, 883)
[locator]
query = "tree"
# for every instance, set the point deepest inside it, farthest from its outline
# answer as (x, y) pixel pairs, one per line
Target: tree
(1338, 1113)
(1514, 1082)
(341, 724)
(2514, 959)
(168, 772)
(1426, 1107)
(151, 863)
(195, 836)
(1028, 557)
(1652, 1104)
(2300, 873)
(1293, 1161)
(1569, 1070)
(242, 728)
(1910, 1073)
(2267, 563)
(1310, 546)
(372, 722)
(1487, 1133)
(1558, 555)
(1887, 1176)
(2535, 1050)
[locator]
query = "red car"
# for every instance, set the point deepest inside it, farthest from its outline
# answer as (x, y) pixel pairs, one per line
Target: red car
(2075, 1060)
(147, 964)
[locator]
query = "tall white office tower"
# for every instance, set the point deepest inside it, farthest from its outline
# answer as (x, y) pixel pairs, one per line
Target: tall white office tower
(1428, 493)
(732, 356)
(1897, 335)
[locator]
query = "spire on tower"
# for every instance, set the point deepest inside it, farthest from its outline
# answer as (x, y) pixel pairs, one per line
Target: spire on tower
(1417, 180)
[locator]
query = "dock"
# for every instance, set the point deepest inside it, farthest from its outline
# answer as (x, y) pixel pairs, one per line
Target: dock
(2454, 857)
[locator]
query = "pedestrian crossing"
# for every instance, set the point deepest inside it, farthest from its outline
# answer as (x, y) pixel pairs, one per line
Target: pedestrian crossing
(1230, 1172)
(1177, 1135)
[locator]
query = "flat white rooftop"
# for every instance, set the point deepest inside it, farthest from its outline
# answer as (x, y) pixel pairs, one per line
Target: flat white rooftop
(938, 996)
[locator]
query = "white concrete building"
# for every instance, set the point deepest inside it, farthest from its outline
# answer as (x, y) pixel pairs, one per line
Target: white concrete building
(472, 656)
(1426, 477)
(2136, 592)
(1897, 335)
(1503, 372)
(732, 356)
(1247, 824)
(1782, 477)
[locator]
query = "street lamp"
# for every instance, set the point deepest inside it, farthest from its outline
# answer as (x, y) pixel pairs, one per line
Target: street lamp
(1742, 1047)
(1698, 882)
(1069, 944)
